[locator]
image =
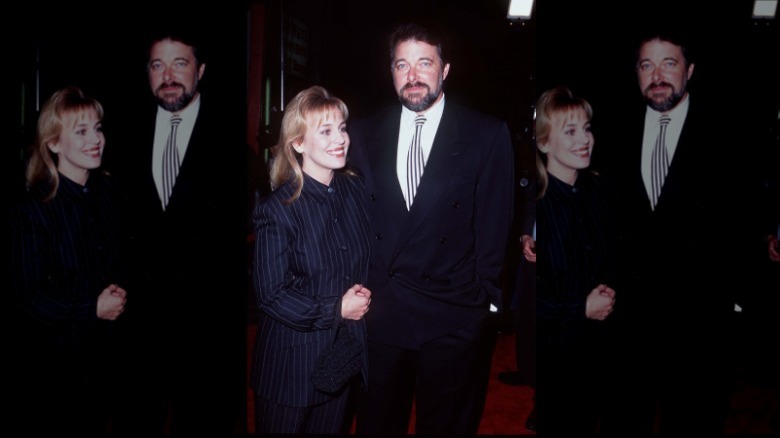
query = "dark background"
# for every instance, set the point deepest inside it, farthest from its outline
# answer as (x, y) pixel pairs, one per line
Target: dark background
(491, 58)
(102, 49)
(591, 47)
(497, 65)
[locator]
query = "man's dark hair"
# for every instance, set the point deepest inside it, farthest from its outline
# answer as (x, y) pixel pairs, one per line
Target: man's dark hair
(416, 32)
(180, 36)
(677, 37)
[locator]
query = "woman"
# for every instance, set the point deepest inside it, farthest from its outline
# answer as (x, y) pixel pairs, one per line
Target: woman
(574, 269)
(311, 258)
(67, 269)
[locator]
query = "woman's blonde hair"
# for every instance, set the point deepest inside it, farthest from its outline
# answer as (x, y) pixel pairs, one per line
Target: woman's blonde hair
(312, 105)
(68, 105)
(553, 101)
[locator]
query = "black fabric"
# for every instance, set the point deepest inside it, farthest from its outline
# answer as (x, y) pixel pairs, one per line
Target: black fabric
(338, 364)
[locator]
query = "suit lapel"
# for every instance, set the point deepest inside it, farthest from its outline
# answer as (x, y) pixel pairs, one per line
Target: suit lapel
(196, 158)
(682, 162)
(190, 157)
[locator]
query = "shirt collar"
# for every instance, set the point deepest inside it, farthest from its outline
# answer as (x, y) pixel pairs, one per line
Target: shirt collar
(675, 114)
(73, 188)
(188, 113)
(314, 187)
(431, 114)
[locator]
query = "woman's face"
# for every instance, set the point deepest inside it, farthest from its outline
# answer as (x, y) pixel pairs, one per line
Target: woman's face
(569, 145)
(324, 146)
(79, 147)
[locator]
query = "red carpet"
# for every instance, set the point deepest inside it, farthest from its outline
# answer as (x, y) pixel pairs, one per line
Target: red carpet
(506, 407)
(753, 406)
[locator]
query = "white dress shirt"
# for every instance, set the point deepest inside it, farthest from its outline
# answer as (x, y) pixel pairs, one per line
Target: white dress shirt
(163, 129)
(432, 119)
(652, 128)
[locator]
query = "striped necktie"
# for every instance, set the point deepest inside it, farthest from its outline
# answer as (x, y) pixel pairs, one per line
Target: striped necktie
(415, 162)
(171, 161)
(659, 162)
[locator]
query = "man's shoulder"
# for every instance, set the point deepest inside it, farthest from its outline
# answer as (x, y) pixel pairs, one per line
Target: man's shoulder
(473, 125)
(474, 116)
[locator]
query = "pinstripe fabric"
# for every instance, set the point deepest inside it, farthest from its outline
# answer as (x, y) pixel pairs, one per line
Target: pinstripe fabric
(660, 161)
(324, 418)
(415, 162)
(307, 254)
(574, 255)
(64, 253)
(171, 161)
(573, 245)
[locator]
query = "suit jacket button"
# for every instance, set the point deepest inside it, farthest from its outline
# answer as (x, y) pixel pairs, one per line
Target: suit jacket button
(455, 204)
(391, 274)
(443, 240)
(373, 197)
(378, 236)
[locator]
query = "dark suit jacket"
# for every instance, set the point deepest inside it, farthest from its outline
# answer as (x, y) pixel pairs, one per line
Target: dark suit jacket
(436, 268)
(679, 258)
(307, 254)
(188, 292)
(193, 247)
(65, 252)
(680, 266)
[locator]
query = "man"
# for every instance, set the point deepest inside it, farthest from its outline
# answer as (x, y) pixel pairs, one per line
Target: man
(679, 271)
(183, 173)
(438, 247)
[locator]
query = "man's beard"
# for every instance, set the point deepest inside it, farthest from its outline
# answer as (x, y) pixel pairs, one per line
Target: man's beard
(425, 102)
(181, 102)
(669, 102)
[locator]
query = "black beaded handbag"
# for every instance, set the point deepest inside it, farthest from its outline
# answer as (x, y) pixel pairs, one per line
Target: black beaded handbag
(338, 363)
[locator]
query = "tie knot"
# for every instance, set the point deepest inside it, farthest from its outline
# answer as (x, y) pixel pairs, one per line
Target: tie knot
(664, 120)
(175, 120)
(419, 120)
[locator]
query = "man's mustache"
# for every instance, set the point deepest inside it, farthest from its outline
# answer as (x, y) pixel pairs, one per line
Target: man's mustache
(170, 84)
(415, 84)
(659, 84)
